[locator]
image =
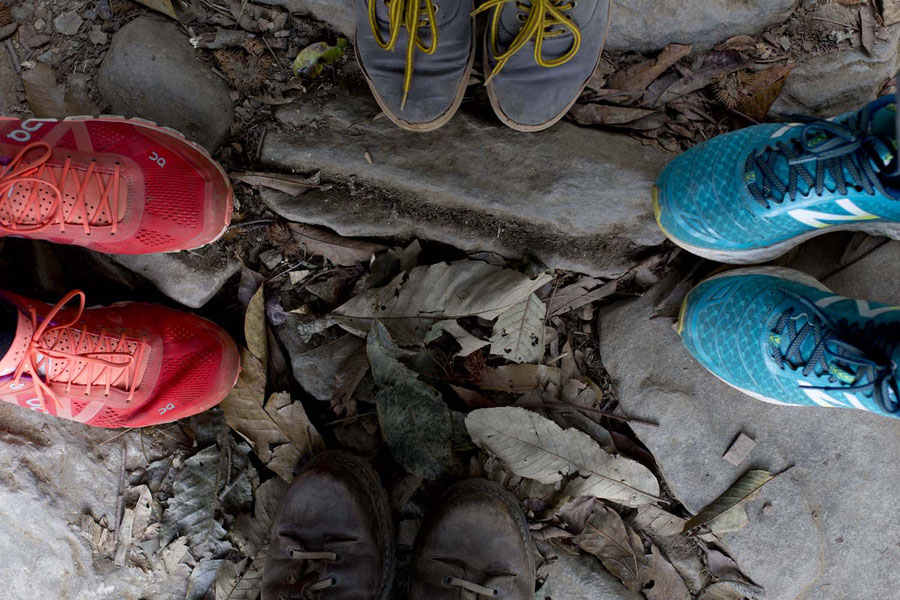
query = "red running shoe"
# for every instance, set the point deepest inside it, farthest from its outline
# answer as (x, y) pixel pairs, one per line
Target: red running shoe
(127, 365)
(109, 184)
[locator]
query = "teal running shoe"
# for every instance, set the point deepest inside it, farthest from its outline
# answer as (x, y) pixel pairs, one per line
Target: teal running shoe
(751, 195)
(782, 337)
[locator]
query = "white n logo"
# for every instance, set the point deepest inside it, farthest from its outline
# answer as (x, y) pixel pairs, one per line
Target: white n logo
(817, 219)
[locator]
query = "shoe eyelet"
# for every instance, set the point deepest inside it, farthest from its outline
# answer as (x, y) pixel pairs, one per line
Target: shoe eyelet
(521, 18)
(447, 580)
(437, 7)
(338, 557)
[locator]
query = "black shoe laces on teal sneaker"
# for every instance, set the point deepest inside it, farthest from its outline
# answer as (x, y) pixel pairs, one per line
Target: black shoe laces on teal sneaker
(843, 154)
(821, 347)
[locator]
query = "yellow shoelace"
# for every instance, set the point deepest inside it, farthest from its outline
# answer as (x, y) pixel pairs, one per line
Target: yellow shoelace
(413, 15)
(542, 15)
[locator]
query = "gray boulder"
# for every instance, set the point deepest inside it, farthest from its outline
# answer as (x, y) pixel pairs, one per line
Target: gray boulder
(152, 72)
(192, 277)
(812, 530)
(577, 198)
(831, 84)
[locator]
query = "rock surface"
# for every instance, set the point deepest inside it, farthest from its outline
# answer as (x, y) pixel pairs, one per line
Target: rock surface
(151, 71)
(192, 277)
(639, 25)
(644, 25)
(577, 198)
(831, 84)
(579, 577)
(829, 527)
(53, 471)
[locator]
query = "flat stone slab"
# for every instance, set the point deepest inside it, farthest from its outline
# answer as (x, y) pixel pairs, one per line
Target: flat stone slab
(639, 25)
(830, 527)
(53, 472)
(191, 277)
(577, 198)
(846, 79)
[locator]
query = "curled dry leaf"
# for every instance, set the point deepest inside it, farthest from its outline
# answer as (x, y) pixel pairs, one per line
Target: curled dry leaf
(412, 302)
(605, 114)
(732, 502)
(519, 379)
(537, 448)
(283, 182)
(255, 326)
(468, 343)
(762, 90)
(638, 77)
(582, 292)
(342, 251)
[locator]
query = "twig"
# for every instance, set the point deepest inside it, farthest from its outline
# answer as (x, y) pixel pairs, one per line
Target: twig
(838, 23)
(115, 437)
(349, 419)
(252, 223)
(230, 487)
(120, 503)
(593, 411)
(13, 55)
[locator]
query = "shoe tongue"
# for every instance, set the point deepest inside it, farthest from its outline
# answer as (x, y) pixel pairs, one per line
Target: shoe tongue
(12, 358)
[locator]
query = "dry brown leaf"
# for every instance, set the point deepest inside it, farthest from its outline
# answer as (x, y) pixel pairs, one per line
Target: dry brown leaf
(621, 551)
(638, 77)
(277, 423)
(762, 90)
(730, 505)
(255, 326)
(342, 251)
(412, 302)
(537, 448)
(289, 184)
(519, 379)
(49, 99)
(605, 114)
(658, 520)
(468, 343)
(518, 334)
(166, 7)
(582, 292)
(867, 27)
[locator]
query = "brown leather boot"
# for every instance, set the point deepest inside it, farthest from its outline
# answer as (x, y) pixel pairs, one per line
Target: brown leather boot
(474, 545)
(333, 537)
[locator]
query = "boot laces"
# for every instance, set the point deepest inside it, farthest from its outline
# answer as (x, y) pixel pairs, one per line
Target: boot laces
(541, 20)
(310, 590)
(94, 358)
(34, 176)
(414, 15)
(822, 147)
(822, 346)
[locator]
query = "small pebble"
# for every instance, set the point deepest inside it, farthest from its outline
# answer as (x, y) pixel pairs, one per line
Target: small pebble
(98, 36)
(68, 23)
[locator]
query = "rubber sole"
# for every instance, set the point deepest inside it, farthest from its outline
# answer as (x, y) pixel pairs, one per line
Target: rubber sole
(773, 251)
(145, 123)
(781, 273)
(511, 123)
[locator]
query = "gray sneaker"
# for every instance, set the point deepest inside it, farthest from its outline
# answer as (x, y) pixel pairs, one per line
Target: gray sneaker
(539, 55)
(418, 79)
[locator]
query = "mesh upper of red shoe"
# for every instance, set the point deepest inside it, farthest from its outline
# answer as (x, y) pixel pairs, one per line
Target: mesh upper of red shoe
(181, 364)
(139, 187)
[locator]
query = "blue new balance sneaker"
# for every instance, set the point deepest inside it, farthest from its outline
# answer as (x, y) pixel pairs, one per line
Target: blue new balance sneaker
(782, 337)
(751, 195)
